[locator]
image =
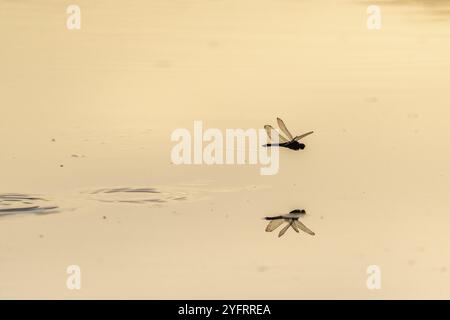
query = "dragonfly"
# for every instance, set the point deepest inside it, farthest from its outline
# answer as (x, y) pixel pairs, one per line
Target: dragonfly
(291, 142)
(292, 221)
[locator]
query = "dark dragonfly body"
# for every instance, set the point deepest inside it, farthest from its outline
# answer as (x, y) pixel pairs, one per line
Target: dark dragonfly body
(293, 145)
(294, 214)
(289, 143)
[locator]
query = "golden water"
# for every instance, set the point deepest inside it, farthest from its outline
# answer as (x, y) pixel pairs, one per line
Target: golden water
(85, 112)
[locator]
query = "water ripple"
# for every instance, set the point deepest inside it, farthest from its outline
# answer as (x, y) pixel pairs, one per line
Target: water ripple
(17, 203)
(137, 195)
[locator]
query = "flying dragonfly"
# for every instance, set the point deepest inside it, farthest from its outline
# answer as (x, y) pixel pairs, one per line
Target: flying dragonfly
(291, 142)
(292, 221)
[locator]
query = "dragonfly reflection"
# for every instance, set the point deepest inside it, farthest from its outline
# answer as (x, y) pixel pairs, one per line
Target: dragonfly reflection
(292, 221)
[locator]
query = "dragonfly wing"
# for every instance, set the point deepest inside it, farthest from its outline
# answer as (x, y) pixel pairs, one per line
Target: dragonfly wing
(294, 226)
(283, 231)
(303, 135)
(274, 224)
(302, 227)
(269, 130)
(284, 129)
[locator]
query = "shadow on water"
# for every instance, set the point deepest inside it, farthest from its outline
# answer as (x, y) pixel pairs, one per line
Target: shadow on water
(17, 204)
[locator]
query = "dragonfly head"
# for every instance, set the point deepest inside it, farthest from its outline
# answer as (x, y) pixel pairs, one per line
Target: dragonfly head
(298, 211)
(296, 145)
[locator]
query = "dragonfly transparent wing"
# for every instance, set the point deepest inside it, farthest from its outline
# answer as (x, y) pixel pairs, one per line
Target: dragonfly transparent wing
(294, 226)
(283, 231)
(303, 135)
(274, 224)
(284, 129)
(302, 227)
(269, 130)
